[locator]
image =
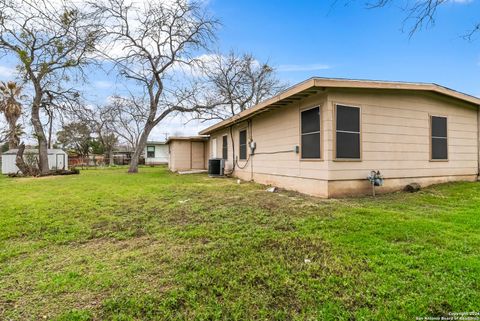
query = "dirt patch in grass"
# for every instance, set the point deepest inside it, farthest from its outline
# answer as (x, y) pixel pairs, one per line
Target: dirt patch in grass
(83, 275)
(39, 178)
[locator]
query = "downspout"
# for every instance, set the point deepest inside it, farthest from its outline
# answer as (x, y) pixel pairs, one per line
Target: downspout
(478, 142)
(233, 149)
(252, 152)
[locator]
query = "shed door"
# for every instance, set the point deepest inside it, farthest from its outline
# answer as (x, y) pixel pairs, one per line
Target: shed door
(60, 161)
(198, 155)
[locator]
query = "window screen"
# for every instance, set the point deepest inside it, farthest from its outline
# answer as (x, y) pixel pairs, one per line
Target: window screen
(310, 124)
(225, 147)
(439, 138)
(150, 151)
(348, 132)
(243, 144)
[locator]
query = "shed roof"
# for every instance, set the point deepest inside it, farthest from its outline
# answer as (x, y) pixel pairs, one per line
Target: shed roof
(314, 85)
(34, 151)
(187, 138)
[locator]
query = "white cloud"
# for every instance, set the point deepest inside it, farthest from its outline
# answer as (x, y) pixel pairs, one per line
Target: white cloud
(114, 48)
(102, 84)
(306, 67)
(7, 72)
(178, 125)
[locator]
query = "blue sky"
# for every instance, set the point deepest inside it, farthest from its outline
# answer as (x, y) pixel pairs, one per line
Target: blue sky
(354, 42)
(320, 38)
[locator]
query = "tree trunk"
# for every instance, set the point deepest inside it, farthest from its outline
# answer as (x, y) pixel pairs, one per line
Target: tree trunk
(110, 157)
(50, 128)
(139, 149)
(40, 134)
(12, 137)
(22, 166)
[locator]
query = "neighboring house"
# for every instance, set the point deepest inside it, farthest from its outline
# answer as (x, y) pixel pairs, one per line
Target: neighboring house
(324, 136)
(122, 155)
(57, 159)
(156, 153)
(187, 153)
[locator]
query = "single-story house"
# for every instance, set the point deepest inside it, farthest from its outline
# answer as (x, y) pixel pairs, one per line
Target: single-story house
(324, 136)
(187, 153)
(156, 153)
(57, 159)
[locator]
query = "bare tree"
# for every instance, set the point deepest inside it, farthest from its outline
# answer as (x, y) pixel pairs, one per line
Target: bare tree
(52, 41)
(237, 82)
(128, 116)
(420, 13)
(109, 140)
(150, 40)
(101, 122)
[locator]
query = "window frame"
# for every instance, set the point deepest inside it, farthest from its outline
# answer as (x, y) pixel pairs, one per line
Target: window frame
(245, 129)
(225, 147)
(154, 151)
(334, 149)
(430, 129)
(320, 109)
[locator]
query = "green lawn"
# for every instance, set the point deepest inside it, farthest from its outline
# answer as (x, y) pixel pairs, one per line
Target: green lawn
(106, 245)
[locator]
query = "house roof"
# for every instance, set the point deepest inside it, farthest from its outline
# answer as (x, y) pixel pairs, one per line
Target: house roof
(34, 151)
(123, 149)
(314, 85)
(187, 138)
(155, 142)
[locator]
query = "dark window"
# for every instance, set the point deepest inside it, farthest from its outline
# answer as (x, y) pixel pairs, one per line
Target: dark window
(439, 138)
(348, 132)
(243, 144)
(225, 147)
(310, 124)
(150, 151)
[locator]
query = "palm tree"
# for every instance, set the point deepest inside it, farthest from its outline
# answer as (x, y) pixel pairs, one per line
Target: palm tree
(10, 93)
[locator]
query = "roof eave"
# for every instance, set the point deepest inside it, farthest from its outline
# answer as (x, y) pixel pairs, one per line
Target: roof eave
(303, 86)
(371, 84)
(323, 83)
(186, 138)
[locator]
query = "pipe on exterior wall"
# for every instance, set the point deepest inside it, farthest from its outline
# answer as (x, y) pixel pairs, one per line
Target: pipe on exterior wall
(251, 151)
(233, 148)
(250, 156)
(478, 142)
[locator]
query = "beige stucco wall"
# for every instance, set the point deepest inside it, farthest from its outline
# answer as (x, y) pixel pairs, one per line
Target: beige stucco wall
(395, 139)
(347, 188)
(187, 155)
(395, 131)
(279, 132)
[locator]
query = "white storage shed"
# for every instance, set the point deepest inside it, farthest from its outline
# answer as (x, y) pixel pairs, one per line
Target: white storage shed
(57, 159)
